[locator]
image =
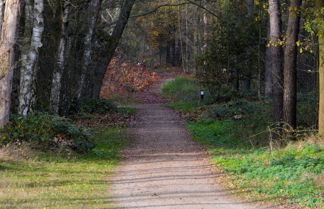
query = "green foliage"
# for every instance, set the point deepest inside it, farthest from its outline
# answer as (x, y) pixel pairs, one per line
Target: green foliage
(291, 172)
(46, 131)
(182, 89)
(233, 49)
(307, 110)
(101, 106)
(234, 108)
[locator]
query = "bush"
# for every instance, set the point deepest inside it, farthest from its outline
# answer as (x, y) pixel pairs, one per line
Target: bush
(46, 131)
(233, 108)
(182, 89)
(100, 106)
(307, 110)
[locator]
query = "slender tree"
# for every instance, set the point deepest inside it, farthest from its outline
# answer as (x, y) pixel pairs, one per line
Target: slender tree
(276, 59)
(61, 56)
(30, 59)
(7, 43)
(94, 11)
(2, 7)
(268, 68)
(116, 35)
(320, 5)
(290, 67)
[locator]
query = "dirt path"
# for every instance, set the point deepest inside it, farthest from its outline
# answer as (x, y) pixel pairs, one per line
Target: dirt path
(165, 168)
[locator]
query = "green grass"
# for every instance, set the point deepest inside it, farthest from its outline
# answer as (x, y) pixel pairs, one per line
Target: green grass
(182, 89)
(294, 173)
(236, 133)
(48, 181)
(182, 106)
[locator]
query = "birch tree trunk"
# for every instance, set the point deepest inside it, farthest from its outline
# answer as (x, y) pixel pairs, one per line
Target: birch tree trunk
(61, 55)
(7, 42)
(290, 68)
(276, 59)
(2, 7)
(30, 59)
(94, 8)
(320, 5)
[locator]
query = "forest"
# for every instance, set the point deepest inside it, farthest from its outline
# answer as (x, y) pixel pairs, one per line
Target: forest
(93, 92)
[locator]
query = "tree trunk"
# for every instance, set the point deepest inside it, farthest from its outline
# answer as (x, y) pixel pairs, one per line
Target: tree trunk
(248, 76)
(116, 35)
(276, 59)
(2, 7)
(290, 61)
(268, 70)
(61, 55)
(29, 67)
(7, 43)
(235, 80)
(247, 83)
(94, 8)
(320, 5)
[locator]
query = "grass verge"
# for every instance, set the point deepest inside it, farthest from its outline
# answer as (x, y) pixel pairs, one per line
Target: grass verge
(294, 173)
(48, 181)
(236, 133)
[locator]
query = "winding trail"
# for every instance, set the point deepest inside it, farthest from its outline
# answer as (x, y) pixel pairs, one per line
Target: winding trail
(165, 168)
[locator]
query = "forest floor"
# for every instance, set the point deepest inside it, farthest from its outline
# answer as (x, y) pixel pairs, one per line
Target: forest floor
(165, 168)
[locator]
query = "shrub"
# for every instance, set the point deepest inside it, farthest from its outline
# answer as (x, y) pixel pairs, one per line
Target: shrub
(46, 131)
(100, 106)
(182, 89)
(307, 110)
(230, 109)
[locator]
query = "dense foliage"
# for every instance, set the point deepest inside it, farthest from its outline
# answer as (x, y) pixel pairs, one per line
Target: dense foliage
(47, 132)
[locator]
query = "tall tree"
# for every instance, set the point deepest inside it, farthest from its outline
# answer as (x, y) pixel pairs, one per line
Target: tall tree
(7, 43)
(116, 35)
(2, 7)
(94, 11)
(30, 59)
(320, 5)
(61, 56)
(290, 61)
(276, 58)
(268, 68)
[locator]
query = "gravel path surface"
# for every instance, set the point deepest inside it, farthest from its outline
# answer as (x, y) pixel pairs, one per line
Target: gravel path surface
(165, 168)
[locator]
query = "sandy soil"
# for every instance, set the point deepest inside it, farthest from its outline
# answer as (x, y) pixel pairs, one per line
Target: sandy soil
(165, 168)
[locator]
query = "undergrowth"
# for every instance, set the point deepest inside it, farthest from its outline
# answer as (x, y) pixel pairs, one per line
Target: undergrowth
(293, 173)
(46, 180)
(48, 161)
(236, 131)
(47, 132)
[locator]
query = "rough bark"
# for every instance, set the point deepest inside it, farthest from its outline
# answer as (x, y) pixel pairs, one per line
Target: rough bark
(276, 59)
(61, 55)
(7, 43)
(2, 7)
(290, 68)
(30, 60)
(319, 5)
(94, 12)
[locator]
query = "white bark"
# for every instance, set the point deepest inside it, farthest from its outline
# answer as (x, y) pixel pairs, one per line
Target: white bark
(61, 54)
(7, 42)
(2, 7)
(30, 60)
(86, 58)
